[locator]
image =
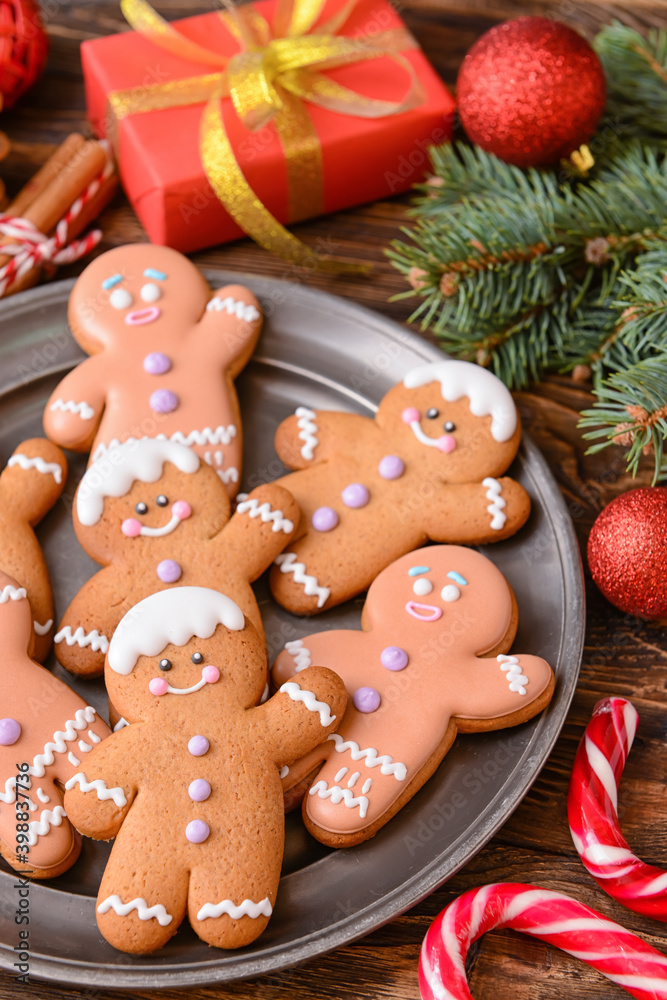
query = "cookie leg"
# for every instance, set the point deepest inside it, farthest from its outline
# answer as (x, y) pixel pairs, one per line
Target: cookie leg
(83, 635)
(138, 908)
(54, 844)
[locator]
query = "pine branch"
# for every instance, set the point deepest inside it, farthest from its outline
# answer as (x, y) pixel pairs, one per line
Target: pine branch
(636, 70)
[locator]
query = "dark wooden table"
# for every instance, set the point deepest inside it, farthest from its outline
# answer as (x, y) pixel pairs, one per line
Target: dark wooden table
(623, 656)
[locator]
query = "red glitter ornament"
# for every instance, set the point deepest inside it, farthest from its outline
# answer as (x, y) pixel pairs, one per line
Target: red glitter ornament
(627, 552)
(23, 48)
(531, 91)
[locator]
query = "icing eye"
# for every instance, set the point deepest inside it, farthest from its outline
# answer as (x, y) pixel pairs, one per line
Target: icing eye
(164, 664)
(197, 658)
(141, 507)
(161, 501)
(432, 414)
(450, 593)
(422, 587)
(120, 298)
(449, 427)
(150, 292)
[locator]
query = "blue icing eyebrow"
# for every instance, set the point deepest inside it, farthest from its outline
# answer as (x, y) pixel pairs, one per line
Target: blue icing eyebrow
(453, 575)
(108, 283)
(150, 272)
(418, 570)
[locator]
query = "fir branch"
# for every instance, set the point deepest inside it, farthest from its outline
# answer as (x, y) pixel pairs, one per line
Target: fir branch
(636, 70)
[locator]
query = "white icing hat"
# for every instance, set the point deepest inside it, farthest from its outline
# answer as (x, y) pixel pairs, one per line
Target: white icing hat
(487, 394)
(114, 472)
(170, 616)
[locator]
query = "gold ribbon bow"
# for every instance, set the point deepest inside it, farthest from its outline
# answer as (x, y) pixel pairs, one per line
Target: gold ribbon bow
(277, 68)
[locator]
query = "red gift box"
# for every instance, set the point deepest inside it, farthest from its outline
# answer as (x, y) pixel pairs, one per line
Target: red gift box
(363, 159)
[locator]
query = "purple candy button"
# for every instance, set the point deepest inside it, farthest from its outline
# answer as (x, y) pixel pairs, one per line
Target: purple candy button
(198, 746)
(391, 467)
(197, 831)
(366, 699)
(10, 730)
(355, 495)
(169, 571)
(394, 658)
(324, 519)
(157, 363)
(199, 790)
(163, 401)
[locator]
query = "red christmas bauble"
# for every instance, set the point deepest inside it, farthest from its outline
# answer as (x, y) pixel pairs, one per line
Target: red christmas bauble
(627, 552)
(23, 48)
(531, 91)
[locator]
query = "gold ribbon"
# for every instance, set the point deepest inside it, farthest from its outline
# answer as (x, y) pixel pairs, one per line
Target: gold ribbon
(276, 70)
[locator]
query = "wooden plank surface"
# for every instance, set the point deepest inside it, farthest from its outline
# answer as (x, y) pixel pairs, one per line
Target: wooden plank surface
(623, 656)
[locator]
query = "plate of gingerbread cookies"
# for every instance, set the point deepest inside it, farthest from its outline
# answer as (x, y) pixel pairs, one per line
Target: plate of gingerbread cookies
(421, 599)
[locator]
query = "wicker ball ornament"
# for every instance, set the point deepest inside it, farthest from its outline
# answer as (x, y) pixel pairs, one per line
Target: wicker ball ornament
(627, 552)
(531, 91)
(23, 48)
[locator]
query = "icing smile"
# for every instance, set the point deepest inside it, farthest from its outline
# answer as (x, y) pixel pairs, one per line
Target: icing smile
(132, 528)
(139, 317)
(159, 686)
(444, 443)
(423, 612)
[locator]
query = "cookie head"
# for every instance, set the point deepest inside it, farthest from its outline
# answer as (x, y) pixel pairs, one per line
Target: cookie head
(133, 288)
(144, 494)
(182, 651)
(457, 420)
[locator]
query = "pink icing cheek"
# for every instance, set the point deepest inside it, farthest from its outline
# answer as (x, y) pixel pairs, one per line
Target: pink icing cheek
(410, 414)
(131, 527)
(210, 674)
(158, 686)
(181, 509)
(446, 443)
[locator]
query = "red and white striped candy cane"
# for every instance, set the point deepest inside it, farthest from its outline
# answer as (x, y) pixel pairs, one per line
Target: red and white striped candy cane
(593, 812)
(550, 916)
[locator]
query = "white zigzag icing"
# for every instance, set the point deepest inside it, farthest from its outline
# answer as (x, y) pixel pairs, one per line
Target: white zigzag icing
(85, 412)
(40, 827)
(42, 629)
(243, 310)
(97, 642)
(292, 689)
(10, 593)
(99, 786)
(495, 508)
(82, 719)
(288, 564)
(516, 679)
(38, 463)
(9, 794)
(267, 513)
(371, 757)
(144, 911)
(42, 796)
(221, 435)
(307, 432)
(299, 654)
(338, 794)
(246, 909)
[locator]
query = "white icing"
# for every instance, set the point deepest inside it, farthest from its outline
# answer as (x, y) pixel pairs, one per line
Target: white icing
(288, 564)
(99, 786)
(366, 787)
(73, 759)
(26, 462)
(246, 909)
(370, 757)
(268, 515)
(42, 796)
(338, 794)
(299, 654)
(120, 724)
(230, 475)
(10, 593)
(97, 642)
(113, 474)
(166, 529)
(242, 310)
(84, 747)
(292, 689)
(497, 505)
(144, 911)
(82, 719)
(170, 616)
(517, 681)
(42, 629)
(487, 394)
(84, 411)
(339, 775)
(354, 778)
(40, 827)
(265, 694)
(422, 436)
(284, 771)
(121, 298)
(195, 687)
(307, 432)
(9, 794)
(93, 737)
(221, 435)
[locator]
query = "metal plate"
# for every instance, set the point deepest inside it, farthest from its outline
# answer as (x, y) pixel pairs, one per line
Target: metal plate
(325, 353)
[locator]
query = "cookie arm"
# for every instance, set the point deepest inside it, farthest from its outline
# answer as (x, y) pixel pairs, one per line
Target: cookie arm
(302, 713)
(74, 409)
(494, 509)
(264, 523)
(99, 794)
(231, 324)
(85, 630)
(500, 691)
(311, 436)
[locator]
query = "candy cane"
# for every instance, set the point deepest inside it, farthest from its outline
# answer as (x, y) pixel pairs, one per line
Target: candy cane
(593, 812)
(550, 916)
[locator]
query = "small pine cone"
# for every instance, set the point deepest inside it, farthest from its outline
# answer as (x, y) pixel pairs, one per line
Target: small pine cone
(435, 181)
(581, 373)
(596, 251)
(416, 278)
(449, 284)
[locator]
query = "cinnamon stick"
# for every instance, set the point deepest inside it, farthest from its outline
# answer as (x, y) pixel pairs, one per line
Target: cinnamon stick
(46, 174)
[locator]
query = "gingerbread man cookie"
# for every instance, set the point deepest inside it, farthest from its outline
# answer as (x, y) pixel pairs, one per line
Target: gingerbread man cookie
(164, 356)
(191, 789)
(30, 484)
(46, 732)
(370, 490)
(431, 660)
(154, 515)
